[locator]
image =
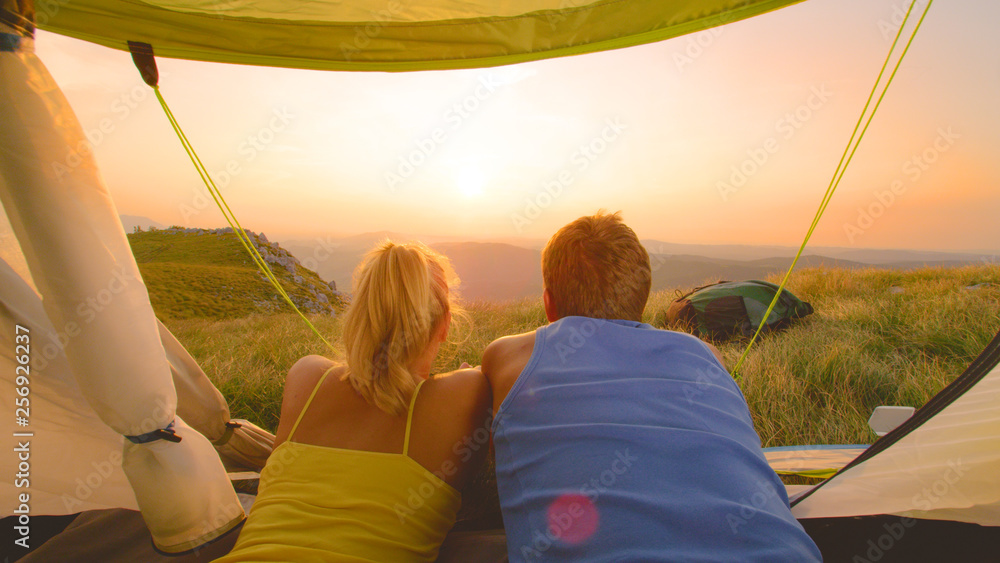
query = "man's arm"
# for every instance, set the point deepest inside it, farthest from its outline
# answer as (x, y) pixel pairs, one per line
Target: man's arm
(717, 353)
(503, 361)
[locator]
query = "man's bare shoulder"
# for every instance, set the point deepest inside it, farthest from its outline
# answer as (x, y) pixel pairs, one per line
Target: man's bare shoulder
(503, 361)
(509, 347)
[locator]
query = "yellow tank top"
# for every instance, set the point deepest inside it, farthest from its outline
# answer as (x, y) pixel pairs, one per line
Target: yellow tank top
(317, 503)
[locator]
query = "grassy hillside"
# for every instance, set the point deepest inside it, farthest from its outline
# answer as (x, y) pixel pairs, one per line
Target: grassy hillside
(878, 337)
(197, 273)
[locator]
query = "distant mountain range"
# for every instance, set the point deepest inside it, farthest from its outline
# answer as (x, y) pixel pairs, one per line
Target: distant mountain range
(501, 271)
(505, 269)
(867, 256)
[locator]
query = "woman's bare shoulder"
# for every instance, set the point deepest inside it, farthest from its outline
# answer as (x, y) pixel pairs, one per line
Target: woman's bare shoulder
(465, 390)
(306, 372)
(302, 378)
(310, 364)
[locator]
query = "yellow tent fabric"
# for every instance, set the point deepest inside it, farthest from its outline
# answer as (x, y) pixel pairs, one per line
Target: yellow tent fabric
(386, 35)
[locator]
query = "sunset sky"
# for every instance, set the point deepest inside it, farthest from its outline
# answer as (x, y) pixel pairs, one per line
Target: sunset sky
(727, 136)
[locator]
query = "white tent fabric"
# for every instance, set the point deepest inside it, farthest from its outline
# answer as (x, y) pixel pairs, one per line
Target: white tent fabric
(948, 468)
(796, 459)
(200, 404)
(75, 458)
(84, 472)
(82, 266)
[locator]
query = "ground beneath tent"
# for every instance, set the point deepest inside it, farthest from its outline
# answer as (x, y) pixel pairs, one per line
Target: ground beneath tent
(892, 539)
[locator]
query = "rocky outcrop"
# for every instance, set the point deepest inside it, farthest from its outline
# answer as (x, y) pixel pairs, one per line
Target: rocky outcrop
(307, 290)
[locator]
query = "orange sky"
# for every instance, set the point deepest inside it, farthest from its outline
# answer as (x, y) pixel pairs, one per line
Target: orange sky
(728, 136)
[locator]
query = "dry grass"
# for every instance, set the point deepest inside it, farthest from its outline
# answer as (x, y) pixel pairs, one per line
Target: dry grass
(816, 382)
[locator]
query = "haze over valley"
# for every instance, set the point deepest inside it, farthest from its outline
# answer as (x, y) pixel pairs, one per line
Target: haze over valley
(511, 269)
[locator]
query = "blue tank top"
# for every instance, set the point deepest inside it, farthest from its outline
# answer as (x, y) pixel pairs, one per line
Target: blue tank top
(621, 442)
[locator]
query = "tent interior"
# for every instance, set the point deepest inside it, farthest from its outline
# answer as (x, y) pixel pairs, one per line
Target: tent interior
(156, 460)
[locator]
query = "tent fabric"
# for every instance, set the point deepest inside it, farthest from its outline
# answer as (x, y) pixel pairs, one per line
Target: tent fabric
(62, 417)
(389, 35)
(80, 469)
(798, 459)
(942, 464)
(200, 404)
(732, 308)
(73, 243)
(119, 369)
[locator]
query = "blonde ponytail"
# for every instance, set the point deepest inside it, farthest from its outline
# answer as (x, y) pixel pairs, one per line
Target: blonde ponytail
(400, 296)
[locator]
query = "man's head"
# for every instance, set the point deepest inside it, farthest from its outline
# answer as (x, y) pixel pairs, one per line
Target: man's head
(595, 267)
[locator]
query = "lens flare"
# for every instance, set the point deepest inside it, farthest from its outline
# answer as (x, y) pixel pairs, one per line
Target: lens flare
(573, 518)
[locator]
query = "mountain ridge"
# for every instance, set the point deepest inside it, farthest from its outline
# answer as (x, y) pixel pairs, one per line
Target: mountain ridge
(198, 273)
(499, 270)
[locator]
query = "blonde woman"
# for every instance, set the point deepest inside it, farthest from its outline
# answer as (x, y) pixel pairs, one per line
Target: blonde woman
(370, 455)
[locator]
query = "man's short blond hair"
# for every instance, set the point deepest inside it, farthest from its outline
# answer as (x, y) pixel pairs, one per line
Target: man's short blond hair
(596, 267)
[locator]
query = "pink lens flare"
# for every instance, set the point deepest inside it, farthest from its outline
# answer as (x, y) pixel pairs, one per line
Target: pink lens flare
(573, 518)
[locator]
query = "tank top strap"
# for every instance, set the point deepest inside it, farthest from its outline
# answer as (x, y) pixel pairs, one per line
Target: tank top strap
(309, 401)
(409, 418)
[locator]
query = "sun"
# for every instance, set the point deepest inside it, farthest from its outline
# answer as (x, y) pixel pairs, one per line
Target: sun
(470, 180)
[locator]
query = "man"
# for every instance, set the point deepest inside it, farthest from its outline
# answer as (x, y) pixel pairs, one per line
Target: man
(616, 441)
